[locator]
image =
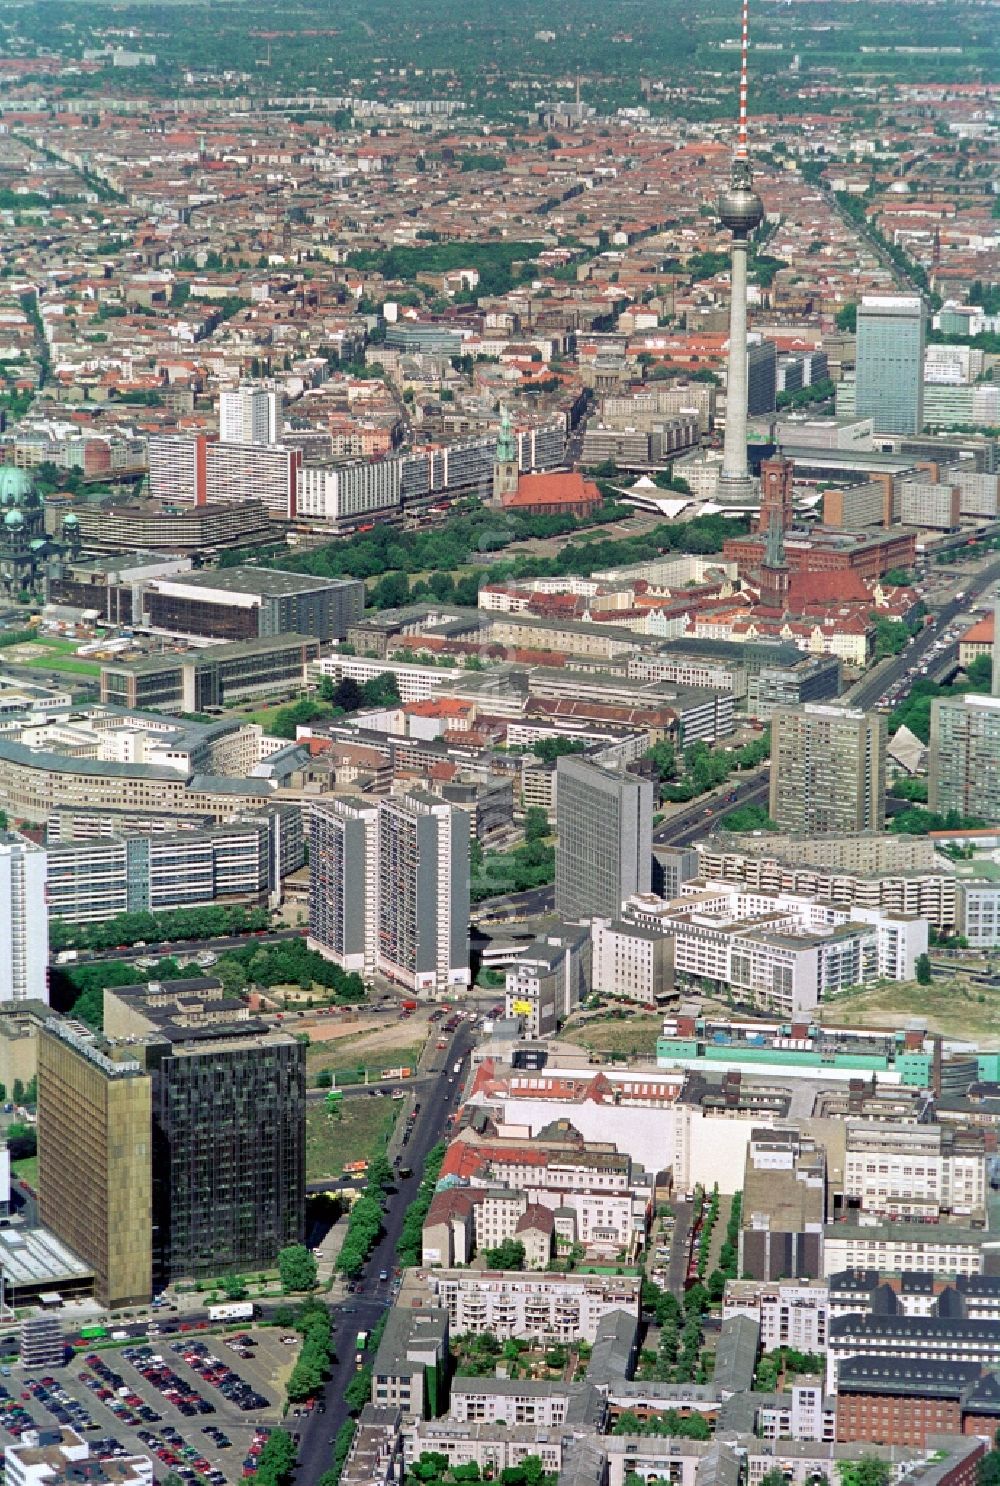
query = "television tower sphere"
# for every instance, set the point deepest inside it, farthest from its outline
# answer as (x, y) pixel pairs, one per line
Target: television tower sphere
(740, 208)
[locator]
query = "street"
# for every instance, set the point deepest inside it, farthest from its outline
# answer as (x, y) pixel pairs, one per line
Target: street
(866, 692)
(699, 818)
(360, 1311)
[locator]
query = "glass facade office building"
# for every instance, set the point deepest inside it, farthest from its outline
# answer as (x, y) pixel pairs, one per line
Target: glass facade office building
(889, 373)
(228, 1152)
(605, 850)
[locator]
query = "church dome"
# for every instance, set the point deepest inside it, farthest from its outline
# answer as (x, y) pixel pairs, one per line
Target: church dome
(13, 520)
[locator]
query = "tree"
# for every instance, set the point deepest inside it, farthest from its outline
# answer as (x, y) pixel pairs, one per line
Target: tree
(232, 974)
(549, 749)
(232, 1287)
(358, 1390)
(536, 823)
(923, 968)
(868, 1471)
(380, 1172)
(297, 1268)
(346, 694)
(749, 818)
(276, 1461)
(847, 318)
(507, 1255)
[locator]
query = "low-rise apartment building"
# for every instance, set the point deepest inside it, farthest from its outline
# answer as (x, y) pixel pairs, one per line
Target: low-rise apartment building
(553, 1307)
(630, 961)
(549, 980)
(410, 1370)
(790, 1313)
(516, 1401)
(915, 1171)
(941, 1248)
(784, 953)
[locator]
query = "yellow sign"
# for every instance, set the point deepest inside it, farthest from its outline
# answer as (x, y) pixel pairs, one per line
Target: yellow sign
(521, 1008)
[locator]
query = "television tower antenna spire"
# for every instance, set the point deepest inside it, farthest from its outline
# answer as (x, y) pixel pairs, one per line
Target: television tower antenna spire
(741, 211)
(742, 152)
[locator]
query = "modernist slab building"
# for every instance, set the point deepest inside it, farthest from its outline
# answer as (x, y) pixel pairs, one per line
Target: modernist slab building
(827, 769)
(344, 882)
(217, 676)
(94, 1157)
(253, 603)
(23, 920)
(423, 893)
(604, 852)
(228, 1183)
(965, 756)
(890, 362)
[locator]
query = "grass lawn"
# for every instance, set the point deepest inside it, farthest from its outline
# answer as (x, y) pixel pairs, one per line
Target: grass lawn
(70, 666)
(345, 1056)
(951, 1008)
(26, 1170)
(266, 715)
(631, 1035)
(359, 1133)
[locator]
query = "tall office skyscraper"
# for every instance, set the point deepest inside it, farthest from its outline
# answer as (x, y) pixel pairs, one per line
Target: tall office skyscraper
(741, 211)
(174, 1144)
(604, 822)
(343, 882)
(964, 769)
(24, 920)
(94, 1157)
(248, 415)
(827, 769)
(422, 905)
(890, 362)
(228, 1147)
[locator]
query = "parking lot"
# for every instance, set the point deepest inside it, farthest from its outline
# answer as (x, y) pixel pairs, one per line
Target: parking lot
(200, 1405)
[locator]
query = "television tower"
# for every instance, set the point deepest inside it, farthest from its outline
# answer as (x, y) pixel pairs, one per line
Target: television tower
(741, 210)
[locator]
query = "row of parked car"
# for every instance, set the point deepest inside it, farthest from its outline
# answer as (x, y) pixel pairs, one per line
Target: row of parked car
(184, 1460)
(67, 1411)
(261, 1435)
(175, 1389)
(111, 1388)
(229, 1383)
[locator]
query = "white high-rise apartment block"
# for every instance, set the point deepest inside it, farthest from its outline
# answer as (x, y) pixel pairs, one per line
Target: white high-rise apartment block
(248, 415)
(423, 900)
(389, 889)
(24, 921)
(343, 882)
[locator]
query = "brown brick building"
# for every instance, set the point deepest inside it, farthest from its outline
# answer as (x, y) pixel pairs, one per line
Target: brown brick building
(885, 1401)
(870, 553)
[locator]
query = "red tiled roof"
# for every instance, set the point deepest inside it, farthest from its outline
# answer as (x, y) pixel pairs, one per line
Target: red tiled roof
(981, 632)
(565, 488)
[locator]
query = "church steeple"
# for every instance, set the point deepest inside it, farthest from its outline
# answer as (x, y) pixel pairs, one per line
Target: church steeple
(505, 464)
(774, 574)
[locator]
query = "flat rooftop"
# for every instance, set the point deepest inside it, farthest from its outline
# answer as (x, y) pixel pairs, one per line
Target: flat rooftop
(33, 1258)
(211, 655)
(271, 583)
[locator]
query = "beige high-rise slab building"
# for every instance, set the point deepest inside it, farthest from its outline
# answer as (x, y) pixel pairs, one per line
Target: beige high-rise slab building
(94, 1165)
(827, 769)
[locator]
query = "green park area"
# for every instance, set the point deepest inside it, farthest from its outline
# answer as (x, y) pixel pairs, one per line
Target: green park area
(49, 653)
(623, 1034)
(357, 1132)
(950, 1007)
